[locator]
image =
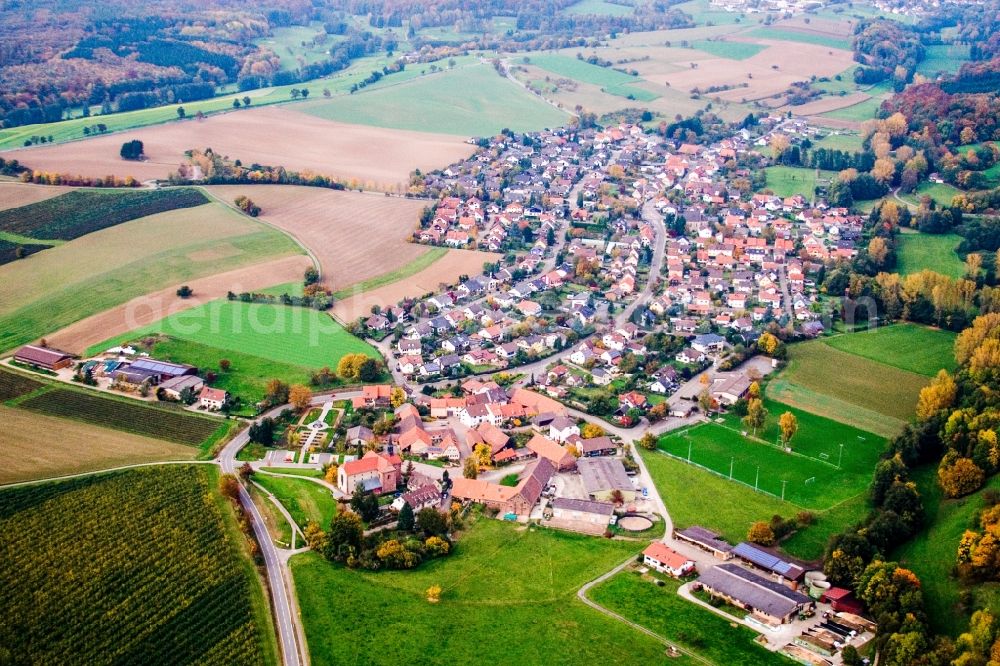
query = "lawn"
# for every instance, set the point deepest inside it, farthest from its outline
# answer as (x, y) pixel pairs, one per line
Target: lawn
(911, 347)
(813, 479)
(502, 580)
(943, 58)
(803, 37)
(941, 193)
(409, 270)
(934, 252)
(931, 554)
(106, 268)
(284, 334)
(461, 101)
(598, 7)
(730, 508)
(845, 387)
(730, 50)
(304, 500)
(662, 610)
(787, 181)
(163, 575)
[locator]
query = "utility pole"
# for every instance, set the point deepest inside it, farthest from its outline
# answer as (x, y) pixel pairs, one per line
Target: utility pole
(783, 482)
(731, 461)
(757, 479)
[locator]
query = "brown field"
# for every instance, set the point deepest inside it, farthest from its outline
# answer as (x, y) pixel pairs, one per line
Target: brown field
(835, 123)
(15, 195)
(155, 306)
(273, 136)
(355, 236)
(443, 271)
(828, 104)
(38, 447)
(795, 62)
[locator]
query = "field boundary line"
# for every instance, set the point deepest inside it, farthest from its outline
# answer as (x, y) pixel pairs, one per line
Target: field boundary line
(66, 477)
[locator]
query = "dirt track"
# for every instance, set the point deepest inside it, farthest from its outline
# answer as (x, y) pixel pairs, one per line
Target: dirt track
(268, 135)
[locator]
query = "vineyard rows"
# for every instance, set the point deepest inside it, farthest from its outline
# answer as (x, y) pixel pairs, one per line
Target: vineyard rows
(128, 416)
(132, 567)
(13, 385)
(81, 212)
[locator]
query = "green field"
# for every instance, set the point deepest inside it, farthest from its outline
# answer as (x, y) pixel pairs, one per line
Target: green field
(730, 508)
(816, 475)
(599, 7)
(104, 269)
(932, 552)
(610, 80)
(803, 37)
(663, 611)
(787, 181)
(941, 193)
(127, 415)
(846, 142)
(943, 59)
(304, 500)
(935, 252)
(730, 50)
(129, 567)
(702, 13)
(847, 388)
(859, 112)
(906, 346)
(287, 44)
(516, 585)
(462, 101)
(284, 334)
(420, 263)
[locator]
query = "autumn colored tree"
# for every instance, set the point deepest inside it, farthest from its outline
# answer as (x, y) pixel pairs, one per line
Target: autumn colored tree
(761, 533)
(224, 364)
(959, 476)
(276, 392)
(973, 264)
(939, 394)
(331, 474)
(229, 486)
(756, 415)
(769, 344)
(343, 539)
(878, 251)
(754, 390)
(299, 396)
(591, 430)
(648, 441)
(434, 594)
(397, 396)
(788, 425)
(470, 468)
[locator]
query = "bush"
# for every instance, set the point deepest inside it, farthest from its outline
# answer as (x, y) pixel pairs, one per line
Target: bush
(131, 150)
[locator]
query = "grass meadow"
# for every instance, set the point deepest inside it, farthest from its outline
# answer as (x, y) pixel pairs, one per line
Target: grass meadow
(906, 346)
(815, 475)
(104, 269)
(663, 611)
(514, 584)
(934, 252)
(941, 193)
(599, 7)
(847, 142)
(859, 112)
(462, 102)
(846, 387)
(803, 37)
(305, 501)
(164, 574)
(787, 181)
(943, 59)
(730, 50)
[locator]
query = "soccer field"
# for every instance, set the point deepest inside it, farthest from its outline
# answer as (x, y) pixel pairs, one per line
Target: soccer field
(817, 474)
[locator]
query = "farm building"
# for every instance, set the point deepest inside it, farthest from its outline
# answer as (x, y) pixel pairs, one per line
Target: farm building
(172, 388)
(596, 446)
(212, 398)
(581, 515)
(43, 357)
(729, 387)
(562, 428)
(603, 476)
(375, 472)
(707, 540)
(163, 370)
(842, 600)
(544, 447)
(761, 559)
(666, 560)
(518, 500)
(418, 498)
(766, 600)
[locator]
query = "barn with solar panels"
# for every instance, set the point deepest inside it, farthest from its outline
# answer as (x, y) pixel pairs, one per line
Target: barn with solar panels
(788, 573)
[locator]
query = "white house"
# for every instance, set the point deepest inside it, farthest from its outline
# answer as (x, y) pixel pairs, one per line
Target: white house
(666, 560)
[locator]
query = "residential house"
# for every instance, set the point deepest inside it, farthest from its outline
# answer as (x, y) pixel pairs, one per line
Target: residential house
(212, 398)
(666, 560)
(375, 472)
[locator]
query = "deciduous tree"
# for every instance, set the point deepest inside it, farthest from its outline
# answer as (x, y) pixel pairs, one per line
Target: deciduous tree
(299, 396)
(789, 425)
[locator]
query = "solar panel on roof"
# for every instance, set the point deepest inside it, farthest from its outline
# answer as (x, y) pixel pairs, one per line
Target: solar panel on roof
(762, 559)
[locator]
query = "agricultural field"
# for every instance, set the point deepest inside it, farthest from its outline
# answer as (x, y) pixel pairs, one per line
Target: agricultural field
(906, 346)
(378, 227)
(460, 102)
(105, 269)
(730, 508)
(127, 415)
(931, 554)
(81, 212)
(787, 181)
(702, 13)
(15, 384)
(935, 252)
(723, 48)
(848, 388)
(599, 7)
(815, 476)
(284, 334)
(533, 574)
(662, 610)
(943, 59)
(847, 142)
(305, 500)
(410, 281)
(800, 36)
(163, 575)
(295, 47)
(856, 113)
(15, 194)
(380, 158)
(608, 79)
